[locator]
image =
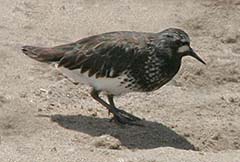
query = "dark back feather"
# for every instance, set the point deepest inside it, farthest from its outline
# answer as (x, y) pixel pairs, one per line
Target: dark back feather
(105, 55)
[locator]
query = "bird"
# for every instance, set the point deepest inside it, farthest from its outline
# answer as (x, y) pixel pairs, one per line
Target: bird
(120, 62)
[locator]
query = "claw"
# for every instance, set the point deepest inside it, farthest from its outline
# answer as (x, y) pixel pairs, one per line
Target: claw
(128, 115)
(123, 119)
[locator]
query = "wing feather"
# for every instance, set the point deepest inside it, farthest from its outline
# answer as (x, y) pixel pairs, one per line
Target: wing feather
(104, 55)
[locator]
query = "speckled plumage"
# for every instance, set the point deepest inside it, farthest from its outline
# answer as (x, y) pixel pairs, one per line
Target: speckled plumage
(121, 62)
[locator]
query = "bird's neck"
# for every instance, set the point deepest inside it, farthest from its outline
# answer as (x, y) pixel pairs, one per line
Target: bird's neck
(174, 64)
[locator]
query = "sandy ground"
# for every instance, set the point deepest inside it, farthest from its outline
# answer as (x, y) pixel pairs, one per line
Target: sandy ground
(45, 118)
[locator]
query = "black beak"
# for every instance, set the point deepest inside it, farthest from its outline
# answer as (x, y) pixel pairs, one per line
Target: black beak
(193, 54)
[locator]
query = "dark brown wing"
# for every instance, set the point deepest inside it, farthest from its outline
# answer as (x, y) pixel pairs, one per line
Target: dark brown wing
(107, 54)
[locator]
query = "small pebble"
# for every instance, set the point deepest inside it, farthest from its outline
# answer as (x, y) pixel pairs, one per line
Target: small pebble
(107, 141)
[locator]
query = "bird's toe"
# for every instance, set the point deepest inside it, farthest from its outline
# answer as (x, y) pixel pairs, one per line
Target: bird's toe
(122, 120)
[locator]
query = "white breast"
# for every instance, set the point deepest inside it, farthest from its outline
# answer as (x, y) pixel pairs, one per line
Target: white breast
(109, 85)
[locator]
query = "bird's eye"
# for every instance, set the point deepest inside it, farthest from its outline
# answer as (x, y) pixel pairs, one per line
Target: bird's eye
(186, 43)
(182, 43)
(179, 42)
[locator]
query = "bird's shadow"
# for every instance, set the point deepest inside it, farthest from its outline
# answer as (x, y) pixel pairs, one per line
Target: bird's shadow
(152, 135)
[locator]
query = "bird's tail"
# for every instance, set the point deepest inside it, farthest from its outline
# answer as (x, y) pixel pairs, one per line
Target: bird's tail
(45, 54)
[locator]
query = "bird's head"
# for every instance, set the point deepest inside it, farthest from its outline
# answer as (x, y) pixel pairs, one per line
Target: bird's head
(180, 42)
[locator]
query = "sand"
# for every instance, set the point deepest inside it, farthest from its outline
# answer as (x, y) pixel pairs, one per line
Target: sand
(194, 118)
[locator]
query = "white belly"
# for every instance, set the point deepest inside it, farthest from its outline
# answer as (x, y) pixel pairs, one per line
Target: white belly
(109, 85)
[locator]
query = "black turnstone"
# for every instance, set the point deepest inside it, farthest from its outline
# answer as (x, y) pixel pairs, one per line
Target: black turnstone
(120, 62)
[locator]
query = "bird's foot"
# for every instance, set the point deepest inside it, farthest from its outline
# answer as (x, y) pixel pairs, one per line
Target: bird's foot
(122, 117)
(128, 115)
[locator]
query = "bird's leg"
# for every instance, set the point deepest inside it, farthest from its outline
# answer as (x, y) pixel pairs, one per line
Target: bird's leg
(124, 113)
(111, 102)
(118, 116)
